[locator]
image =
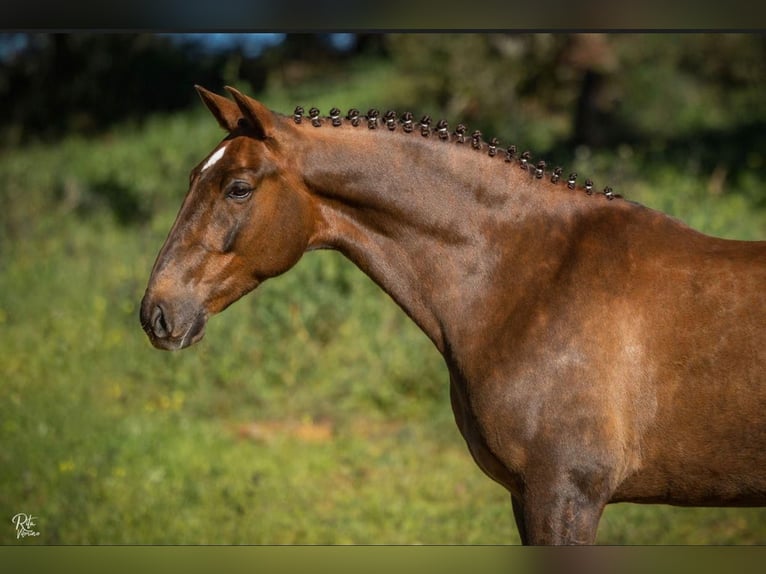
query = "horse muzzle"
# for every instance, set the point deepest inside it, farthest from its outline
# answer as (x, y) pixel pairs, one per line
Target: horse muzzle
(172, 326)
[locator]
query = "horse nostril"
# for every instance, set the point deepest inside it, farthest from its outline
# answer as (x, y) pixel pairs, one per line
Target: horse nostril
(160, 325)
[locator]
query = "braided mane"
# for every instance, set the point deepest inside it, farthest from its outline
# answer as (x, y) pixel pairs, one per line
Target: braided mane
(390, 121)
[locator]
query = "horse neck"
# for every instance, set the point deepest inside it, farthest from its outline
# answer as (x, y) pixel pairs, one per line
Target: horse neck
(435, 224)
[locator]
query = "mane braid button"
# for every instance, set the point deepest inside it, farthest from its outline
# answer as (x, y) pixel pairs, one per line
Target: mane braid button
(425, 126)
(524, 160)
(571, 181)
(556, 175)
(493, 143)
(372, 119)
(589, 187)
(608, 192)
(441, 128)
(540, 169)
(407, 121)
(314, 115)
(390, 119)
(298, 114)
(476, 139)
(353, 116)
(335, 117)
(460, 133)
(510, 153)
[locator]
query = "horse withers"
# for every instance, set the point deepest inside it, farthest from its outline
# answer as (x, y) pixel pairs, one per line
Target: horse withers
(599, 351)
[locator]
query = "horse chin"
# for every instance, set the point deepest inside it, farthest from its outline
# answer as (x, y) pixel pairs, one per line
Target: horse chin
(179, 343)
(194, 333)
(191, 337)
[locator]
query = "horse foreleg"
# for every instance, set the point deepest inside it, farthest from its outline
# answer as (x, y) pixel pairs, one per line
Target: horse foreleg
(518, 515)
(557, 516)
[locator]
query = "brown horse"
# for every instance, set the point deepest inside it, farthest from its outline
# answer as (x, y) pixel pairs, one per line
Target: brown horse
(599, 351)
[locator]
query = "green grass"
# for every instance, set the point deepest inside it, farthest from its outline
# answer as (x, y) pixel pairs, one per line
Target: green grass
(109, 441)
(313, 412)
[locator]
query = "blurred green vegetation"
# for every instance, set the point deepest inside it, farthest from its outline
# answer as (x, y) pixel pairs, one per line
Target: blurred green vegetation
(314, 411)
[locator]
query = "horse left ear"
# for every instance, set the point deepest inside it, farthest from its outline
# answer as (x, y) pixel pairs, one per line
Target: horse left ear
(258, 116)
(225, 111)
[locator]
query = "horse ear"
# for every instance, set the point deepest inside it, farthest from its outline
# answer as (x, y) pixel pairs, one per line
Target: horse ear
(258, 116)
(225, 111)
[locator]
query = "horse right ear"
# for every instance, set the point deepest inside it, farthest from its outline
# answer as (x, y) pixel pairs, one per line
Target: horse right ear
(225, 111)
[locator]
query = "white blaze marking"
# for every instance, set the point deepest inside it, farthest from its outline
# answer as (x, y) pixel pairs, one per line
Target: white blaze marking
(214, 158)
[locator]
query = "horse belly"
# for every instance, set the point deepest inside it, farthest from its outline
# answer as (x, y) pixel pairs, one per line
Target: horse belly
(709, 451)
(701, 484)
(706, 445)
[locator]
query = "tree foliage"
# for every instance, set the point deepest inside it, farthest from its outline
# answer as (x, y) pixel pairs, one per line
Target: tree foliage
(84, 82)
(546, 89)
(594, 89)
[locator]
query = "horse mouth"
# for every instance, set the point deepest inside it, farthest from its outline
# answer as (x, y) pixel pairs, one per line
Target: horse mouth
(193, 334)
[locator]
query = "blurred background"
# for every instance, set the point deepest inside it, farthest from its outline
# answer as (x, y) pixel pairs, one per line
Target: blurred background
(313, 412)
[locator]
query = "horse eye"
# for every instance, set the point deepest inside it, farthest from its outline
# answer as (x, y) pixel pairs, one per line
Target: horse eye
(239, 190)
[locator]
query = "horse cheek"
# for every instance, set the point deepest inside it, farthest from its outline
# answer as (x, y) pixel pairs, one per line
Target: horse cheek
(279, 247)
